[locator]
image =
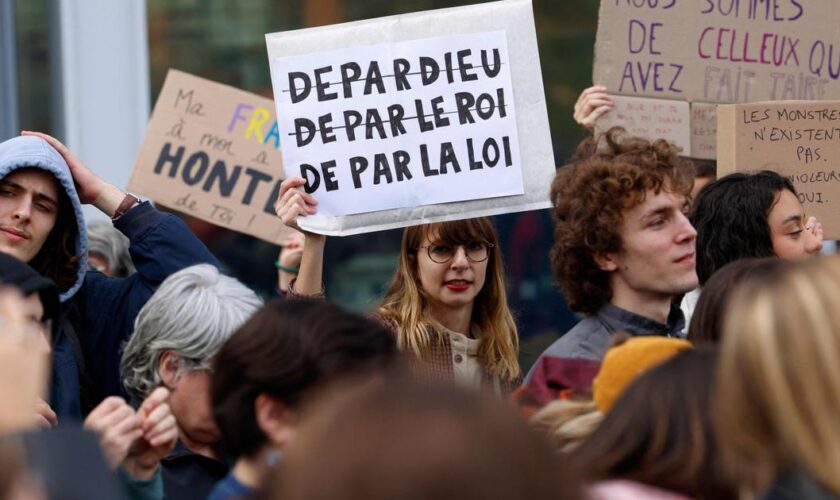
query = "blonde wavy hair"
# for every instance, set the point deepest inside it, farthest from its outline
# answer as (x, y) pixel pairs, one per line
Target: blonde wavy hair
(567, 422)
(405, 304)
(778, 401)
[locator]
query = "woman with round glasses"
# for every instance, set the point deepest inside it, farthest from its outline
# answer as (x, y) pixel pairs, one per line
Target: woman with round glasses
(446, 304)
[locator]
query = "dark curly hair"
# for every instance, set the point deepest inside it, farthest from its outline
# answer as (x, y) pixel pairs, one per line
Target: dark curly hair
(730, 216)
(609, 175)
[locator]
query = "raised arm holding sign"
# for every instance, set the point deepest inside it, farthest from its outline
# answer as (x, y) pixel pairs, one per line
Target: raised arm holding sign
(448, 296)
(431, 120)
(413, 119)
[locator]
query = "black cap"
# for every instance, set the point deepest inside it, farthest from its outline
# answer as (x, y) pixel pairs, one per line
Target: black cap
(16, 273)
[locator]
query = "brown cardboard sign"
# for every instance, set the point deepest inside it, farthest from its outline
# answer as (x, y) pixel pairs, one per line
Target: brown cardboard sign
(703, 130)
(798, 139)
(719, 51)
(213, 152)
(653, 118)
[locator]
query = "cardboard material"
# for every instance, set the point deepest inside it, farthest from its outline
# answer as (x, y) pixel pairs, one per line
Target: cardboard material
(798, 139)
(703, 131)
(653, 118)
(719, 51)
(515, 19)
(213, 152)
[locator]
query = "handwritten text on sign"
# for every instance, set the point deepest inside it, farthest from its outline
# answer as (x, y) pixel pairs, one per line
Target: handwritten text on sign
(719, 51)
(798, 139)
(652, 118)
(401, 125)
(212, 151)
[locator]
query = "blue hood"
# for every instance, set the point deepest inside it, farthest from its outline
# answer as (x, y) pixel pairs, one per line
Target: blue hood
(33, 152)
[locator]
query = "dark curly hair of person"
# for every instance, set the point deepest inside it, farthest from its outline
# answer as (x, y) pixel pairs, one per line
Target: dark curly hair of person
(609, 174)
(730, 216)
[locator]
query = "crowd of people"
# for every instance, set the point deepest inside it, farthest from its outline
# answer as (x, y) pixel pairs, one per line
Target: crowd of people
(705, 363)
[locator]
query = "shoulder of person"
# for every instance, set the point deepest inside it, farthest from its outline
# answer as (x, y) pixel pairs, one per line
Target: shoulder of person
(584, 340)
(588, 329)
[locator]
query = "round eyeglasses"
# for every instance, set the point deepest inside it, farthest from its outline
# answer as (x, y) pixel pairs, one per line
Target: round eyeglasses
(442, 253)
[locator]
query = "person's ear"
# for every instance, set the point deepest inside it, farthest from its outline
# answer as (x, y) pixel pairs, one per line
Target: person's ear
(168, 369)
(275, 419)
(607, 261)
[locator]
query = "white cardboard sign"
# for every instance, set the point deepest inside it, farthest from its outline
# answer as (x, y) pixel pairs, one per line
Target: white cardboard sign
(412, 119)
(401, 124)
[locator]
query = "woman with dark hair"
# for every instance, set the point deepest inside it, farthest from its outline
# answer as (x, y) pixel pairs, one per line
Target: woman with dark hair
(707, 320)
(659, 432)
(754, 214)
(264, 372)
(447, 303)
(744, 215)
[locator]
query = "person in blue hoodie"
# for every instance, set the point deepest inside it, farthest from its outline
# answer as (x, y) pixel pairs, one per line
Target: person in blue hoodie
(42, 189)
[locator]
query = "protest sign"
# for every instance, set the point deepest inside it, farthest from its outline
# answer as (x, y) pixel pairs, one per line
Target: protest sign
(703, 130)
(654, 118)
(719, 51)
(213, 152)
(411, 123)
(798, 139)
(417, 118)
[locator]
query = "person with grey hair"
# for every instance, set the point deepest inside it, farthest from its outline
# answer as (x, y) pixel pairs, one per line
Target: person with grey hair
(108, 250)
(176, 336)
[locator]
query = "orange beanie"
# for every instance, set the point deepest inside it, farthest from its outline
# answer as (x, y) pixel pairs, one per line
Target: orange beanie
(625, 362)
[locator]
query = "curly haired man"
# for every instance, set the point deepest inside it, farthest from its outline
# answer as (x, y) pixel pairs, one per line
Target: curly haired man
(624, 248)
